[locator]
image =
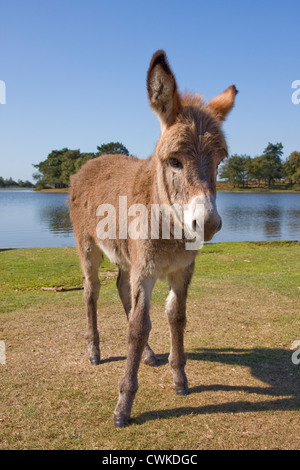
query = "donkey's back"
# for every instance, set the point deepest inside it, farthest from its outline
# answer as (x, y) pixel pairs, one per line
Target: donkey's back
(102, 179)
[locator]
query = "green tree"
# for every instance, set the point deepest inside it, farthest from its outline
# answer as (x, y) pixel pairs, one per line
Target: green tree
(112, 148)
(49, 171)
(67, 167)
(58, 167)
(257, 169)
(25, 184)
(235, 169)
(272, 163)
(10, 182)
(61, 164)
(291, 168)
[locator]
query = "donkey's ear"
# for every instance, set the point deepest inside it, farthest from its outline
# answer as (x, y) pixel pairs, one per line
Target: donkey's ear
(221, 105)
(162, 90)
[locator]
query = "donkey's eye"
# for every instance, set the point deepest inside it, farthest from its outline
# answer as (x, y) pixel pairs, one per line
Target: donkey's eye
(174, 163)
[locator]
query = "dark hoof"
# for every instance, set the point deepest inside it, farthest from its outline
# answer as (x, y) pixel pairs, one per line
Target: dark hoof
(182, 390)
(95, 360)
(149, 357)
(151, 361)
(120, 421)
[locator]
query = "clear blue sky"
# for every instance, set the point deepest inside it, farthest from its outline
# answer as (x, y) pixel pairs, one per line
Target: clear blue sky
(75, 72)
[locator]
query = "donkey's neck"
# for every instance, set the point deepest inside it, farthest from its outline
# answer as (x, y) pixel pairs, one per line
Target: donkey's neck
(142, 183)
(148, 186)
(159, 194)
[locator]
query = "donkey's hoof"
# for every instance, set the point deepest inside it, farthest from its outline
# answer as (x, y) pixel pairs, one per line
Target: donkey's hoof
(150, 360)
(120, 421)
(95, 360)
(149, 357)
(182, 390)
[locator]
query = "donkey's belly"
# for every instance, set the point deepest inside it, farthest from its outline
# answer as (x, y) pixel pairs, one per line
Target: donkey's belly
(165, 262)
(114, 255)
(176, 262)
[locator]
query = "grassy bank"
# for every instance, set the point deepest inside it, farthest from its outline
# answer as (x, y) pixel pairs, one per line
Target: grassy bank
(52, 190)
(224, 186)
(243, 316)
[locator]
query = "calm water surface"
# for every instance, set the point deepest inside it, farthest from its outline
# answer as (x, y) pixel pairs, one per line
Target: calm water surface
(258, 216)
(30, 219)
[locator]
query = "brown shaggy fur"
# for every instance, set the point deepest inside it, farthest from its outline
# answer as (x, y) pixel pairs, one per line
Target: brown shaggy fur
(192, 138)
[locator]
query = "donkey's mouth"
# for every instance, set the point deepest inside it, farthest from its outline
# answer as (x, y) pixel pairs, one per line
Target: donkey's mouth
(209, 229)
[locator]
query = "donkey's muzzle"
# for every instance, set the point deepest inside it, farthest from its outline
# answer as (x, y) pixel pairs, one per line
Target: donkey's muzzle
(211, 226)
(204, 216)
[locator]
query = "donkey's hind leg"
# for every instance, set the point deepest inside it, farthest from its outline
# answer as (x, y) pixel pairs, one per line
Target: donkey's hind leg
(123, 284)
(90, 257)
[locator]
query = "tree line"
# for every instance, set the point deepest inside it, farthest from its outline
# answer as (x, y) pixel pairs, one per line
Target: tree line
(59, 165)
(266, 169)
(10, 183)
(239, 170)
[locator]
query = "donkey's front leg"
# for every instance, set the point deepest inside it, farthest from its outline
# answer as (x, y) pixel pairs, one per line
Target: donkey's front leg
(139, 327)
(123, 284)
(176, 311)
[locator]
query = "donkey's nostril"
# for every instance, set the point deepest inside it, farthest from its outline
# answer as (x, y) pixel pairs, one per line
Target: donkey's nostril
(220, 226)
(194, 225)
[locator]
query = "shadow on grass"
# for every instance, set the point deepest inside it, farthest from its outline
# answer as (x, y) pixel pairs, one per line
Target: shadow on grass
(113, 359)
(271, 366)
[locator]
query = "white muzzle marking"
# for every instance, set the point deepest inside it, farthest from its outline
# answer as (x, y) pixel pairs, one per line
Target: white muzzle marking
(202, 216)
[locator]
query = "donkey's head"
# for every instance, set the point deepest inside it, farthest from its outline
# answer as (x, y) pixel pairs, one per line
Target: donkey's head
(191, 145)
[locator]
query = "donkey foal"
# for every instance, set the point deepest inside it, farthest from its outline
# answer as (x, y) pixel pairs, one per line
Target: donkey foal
(182, 170)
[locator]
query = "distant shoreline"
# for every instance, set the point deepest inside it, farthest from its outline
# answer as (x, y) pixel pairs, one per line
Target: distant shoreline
(219, 190)
(19, 187)
(258, 190)
(52, 190)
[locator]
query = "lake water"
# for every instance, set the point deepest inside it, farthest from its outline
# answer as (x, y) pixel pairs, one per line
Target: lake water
(30, 219)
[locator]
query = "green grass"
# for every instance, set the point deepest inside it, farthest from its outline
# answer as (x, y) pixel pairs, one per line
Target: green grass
(261, 264)
(243, 316)
(23, 272)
